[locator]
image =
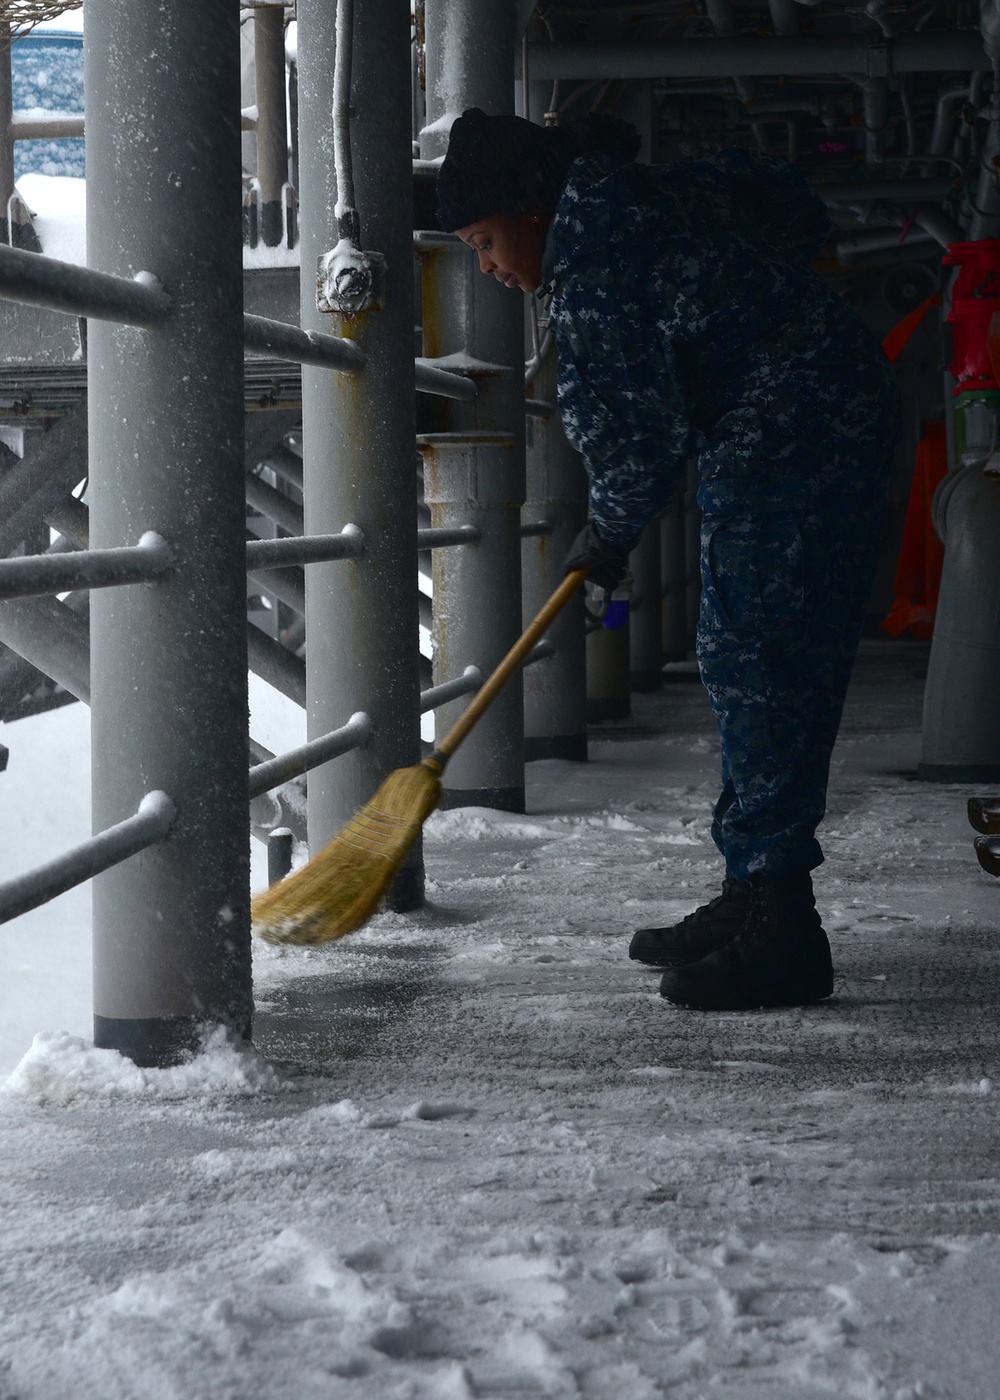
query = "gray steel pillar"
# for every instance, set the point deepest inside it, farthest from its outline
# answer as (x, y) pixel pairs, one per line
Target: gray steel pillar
(470, 62)
(608, 692)
(555, 690)
(646, 618)
(6, 133)
(169, 659)
(358, 431)
(469, 479)
(961, 721)
(272, 129)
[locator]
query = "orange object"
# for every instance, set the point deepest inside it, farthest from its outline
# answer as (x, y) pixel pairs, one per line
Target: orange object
(902, 332)
(921, 555)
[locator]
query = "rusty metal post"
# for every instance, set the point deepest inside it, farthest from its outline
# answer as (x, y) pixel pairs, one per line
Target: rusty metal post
(468, 480)
(359, 431)
(272, 127)
(555, 690)
(470, 62)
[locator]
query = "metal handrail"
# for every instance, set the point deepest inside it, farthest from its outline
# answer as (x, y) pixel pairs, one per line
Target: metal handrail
(274, 771)
(305, 549)
(470, 680)
(334, 352)
(48, 128)
(430, 380)
(443, 538)
(151, 823)
(536, 527)
(302, 347)
(36, 280)
(36, 574)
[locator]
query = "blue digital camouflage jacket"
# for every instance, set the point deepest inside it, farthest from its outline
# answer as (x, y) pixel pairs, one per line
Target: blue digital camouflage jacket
(688, 321)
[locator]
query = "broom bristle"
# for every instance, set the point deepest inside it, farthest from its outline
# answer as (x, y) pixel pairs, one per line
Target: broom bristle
(342, 885)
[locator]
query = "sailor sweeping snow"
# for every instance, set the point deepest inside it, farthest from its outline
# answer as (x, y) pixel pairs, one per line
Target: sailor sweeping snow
(689, 322)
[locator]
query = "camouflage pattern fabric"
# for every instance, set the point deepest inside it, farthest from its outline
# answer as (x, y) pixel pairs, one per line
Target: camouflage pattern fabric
(689, 322)
(784, 596)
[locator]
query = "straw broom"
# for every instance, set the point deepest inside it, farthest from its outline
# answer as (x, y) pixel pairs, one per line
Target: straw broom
(340, 888)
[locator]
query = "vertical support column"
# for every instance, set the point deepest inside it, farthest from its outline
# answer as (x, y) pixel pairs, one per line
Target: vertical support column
(468, 481)
(646, 619)
(555, 690)
(358, 432)
(609, 696)
(470, 62)
(169, 661)
(272, 127)
(6, 133)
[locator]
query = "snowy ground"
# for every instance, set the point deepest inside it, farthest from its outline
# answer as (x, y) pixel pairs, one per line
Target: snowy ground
(479, 1156)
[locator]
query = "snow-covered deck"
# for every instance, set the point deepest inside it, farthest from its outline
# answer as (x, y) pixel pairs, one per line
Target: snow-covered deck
(493, 1162)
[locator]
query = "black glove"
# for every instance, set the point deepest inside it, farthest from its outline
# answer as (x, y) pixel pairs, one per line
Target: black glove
(607, 565)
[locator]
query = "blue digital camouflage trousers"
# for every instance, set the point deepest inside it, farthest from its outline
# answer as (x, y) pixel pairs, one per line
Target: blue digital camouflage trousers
(784, 597)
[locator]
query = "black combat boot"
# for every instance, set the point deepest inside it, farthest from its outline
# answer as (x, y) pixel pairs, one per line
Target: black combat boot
(780, 957)
(699, 933)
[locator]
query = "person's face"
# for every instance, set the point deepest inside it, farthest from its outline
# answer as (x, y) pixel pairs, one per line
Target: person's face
(510, 247)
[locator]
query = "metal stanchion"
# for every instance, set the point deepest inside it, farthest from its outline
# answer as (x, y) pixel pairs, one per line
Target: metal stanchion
(469, 59)
(169, 696)
(272, 129)
(358, 433)
(555, 692)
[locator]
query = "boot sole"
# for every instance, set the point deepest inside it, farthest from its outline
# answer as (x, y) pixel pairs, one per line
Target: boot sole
(801, 996)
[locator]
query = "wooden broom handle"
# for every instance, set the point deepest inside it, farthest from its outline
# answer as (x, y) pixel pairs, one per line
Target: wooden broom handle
(492, 687)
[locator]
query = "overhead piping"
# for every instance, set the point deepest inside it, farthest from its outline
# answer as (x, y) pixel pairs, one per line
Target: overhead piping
(866, 55)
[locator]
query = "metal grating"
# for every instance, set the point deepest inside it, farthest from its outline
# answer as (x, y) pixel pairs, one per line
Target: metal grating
(47, 391)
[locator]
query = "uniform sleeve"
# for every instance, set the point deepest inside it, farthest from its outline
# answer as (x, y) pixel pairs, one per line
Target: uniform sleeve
(620, 401)
(780, 198)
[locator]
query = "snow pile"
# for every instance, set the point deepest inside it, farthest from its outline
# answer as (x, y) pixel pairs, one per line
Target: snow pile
(482, 824)
(58, 204)
(62, 1069)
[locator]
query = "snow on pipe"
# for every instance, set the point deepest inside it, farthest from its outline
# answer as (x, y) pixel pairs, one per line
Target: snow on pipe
(37, 574)
(303, 549)
(151, 823)
(430, 380)
(353, 735)
(348, 219)
(79, 291)
(349, 279)
(868, 55)
(469, 681)
(302, 347)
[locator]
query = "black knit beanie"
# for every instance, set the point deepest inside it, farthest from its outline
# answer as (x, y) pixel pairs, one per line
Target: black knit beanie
(506, 165)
